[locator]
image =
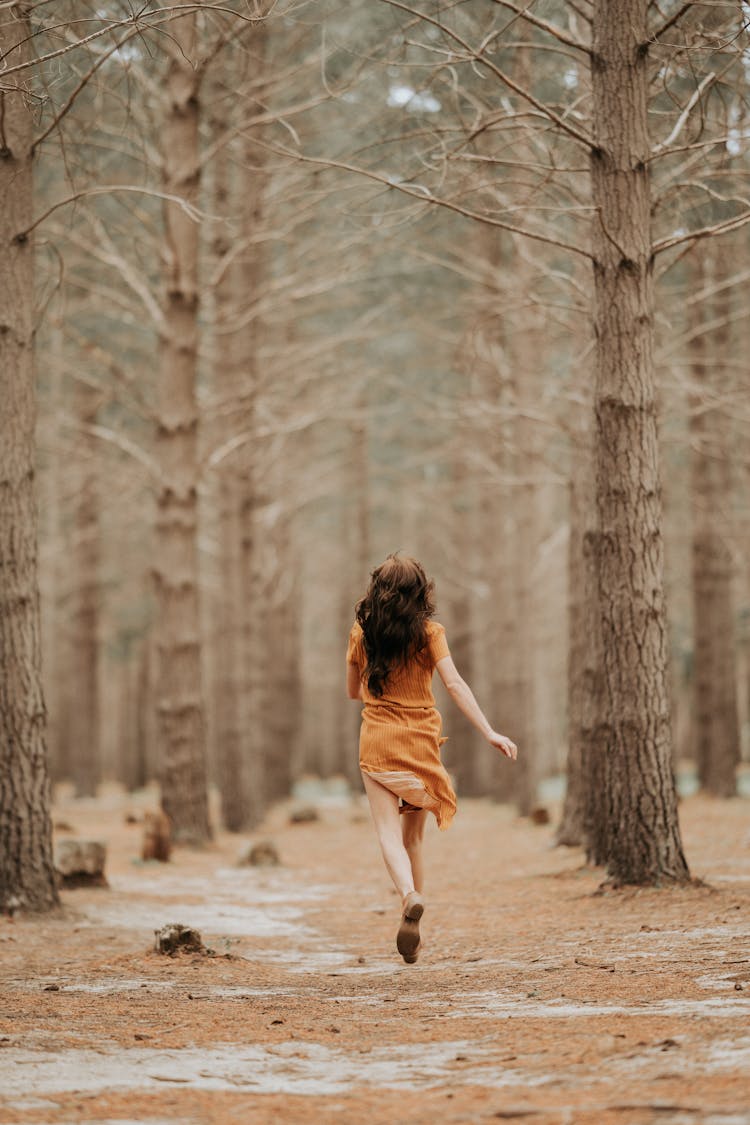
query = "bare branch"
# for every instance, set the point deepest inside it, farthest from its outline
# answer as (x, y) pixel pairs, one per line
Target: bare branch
(424, 196)
(137, 19)
(704, 232)
(123, 443)
(83, 82)
(680, 122)
(551, 28)
(657, 34)
(190, 210)
(576, 134)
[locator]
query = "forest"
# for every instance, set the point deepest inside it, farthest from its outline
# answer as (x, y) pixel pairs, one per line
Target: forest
(287, 286)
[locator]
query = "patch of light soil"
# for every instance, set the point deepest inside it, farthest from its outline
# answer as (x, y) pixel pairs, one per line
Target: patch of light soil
(236, 903)
(305, 1068)
(291, 1068)
(495, 1003)
(110, 986)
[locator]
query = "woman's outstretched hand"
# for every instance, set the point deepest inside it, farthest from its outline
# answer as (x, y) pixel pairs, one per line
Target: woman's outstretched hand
(503, 744)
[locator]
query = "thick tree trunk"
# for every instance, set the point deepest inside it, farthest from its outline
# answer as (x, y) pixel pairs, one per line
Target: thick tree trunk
(179, 693)
(637, 807)
(27, 878)
(716, 733)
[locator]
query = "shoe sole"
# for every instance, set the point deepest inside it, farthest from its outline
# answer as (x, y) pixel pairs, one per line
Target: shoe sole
(407, 939)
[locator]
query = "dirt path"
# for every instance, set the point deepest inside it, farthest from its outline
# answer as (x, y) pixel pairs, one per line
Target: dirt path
(534, 998)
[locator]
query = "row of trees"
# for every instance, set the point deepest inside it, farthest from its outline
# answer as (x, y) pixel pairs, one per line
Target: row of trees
(313, 284)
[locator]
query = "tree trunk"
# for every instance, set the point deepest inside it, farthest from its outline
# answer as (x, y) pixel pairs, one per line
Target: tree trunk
(230, 369)
(230, 736)
(282, 721)
(525, 542)
(55, 641)
(27, 878)
(356, 547)
(593, 728)
(584, 679)
(716, 734)
(146, 725)
(570, 831)
(179, 693)
(83, 674)
(462, 747)
(637, 807)
(255, 666)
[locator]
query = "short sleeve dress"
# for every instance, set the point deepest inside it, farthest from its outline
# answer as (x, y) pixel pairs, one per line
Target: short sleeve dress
(400, 736)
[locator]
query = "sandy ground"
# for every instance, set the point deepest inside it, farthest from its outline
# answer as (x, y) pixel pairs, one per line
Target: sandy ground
(535, 997)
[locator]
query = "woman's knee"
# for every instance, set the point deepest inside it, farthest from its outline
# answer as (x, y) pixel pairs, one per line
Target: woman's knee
(413, 829)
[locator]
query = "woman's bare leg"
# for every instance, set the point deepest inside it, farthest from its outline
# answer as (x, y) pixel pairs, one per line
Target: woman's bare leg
(412, 832)
(387, 821)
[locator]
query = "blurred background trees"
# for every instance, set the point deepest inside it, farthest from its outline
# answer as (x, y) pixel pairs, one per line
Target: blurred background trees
(315, 283)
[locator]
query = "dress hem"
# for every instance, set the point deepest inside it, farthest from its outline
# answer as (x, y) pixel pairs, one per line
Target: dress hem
(443, 811)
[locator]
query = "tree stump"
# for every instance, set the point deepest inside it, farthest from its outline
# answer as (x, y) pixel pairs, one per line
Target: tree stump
(175, 938)
(80, 863)
(157, 838)
(305, 814)
(262, 854)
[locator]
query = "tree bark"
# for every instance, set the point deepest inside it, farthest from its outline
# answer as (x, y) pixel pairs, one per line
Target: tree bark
(637, 807)
(83, 676)
(27, 879)
(462, 748)
(230, 736)
(255, 668)
(570, 831)
(179, 693)
(584, 679)
(229, 196)
(716, 733)
(282, 722)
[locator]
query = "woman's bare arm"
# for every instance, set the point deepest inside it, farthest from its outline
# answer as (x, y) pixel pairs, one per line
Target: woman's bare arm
(463, 697)
(353, 681)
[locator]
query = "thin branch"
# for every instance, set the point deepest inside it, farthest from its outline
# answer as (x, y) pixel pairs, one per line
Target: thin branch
(123, 443)
(424, 196)
(190, 210)
(83, 82)
(171, 12)
(704, 232)
(656, 35)
(582, 138)
(551, 28)
(680, 123)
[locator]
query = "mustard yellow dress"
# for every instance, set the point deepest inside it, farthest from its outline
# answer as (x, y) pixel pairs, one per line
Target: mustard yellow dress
(400, 739)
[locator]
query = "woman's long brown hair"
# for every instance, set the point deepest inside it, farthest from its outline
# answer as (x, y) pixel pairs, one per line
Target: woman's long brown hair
(393, 615)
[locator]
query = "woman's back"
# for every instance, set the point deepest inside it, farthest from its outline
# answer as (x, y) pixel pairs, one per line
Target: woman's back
(409, 684)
